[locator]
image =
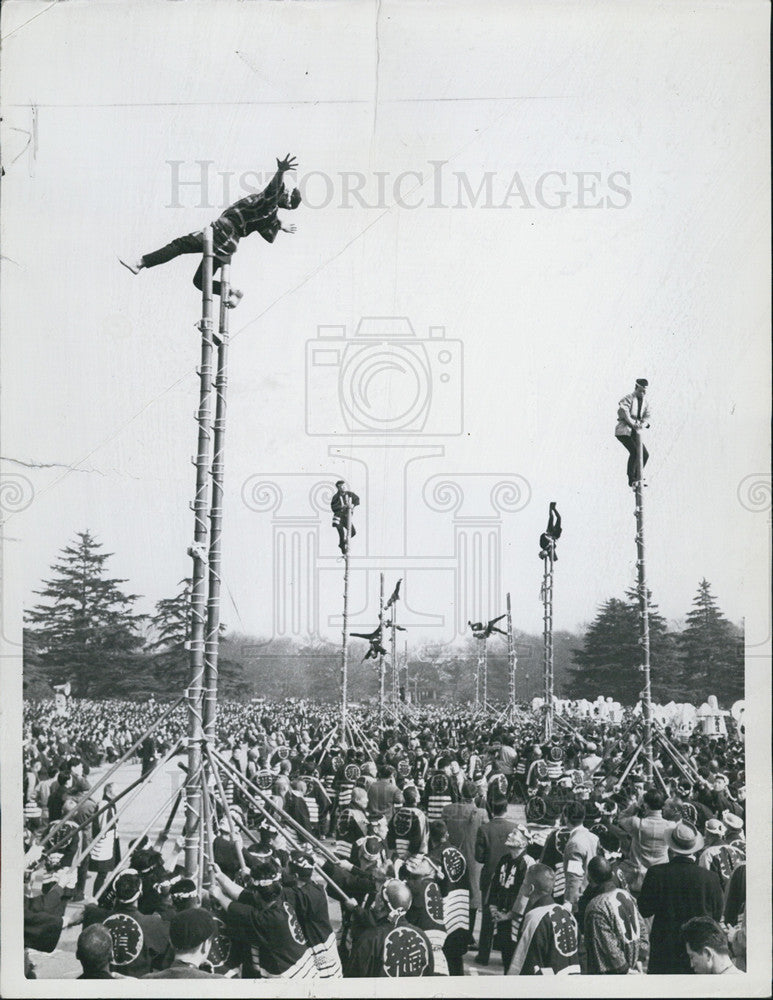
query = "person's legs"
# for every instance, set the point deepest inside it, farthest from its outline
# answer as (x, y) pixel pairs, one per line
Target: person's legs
(508, 950)
(486, 938)
(217, 263)
(192, 243)
(629, 444)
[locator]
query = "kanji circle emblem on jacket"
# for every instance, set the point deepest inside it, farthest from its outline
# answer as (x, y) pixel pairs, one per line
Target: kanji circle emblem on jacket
(264, 779)
(295, 928)
(351, 772)
(439, 783)
(342, 826)
(405, 953)
(500, 782)
(433, 902)
(127, 937)
(220, 949)
(564, 931)
(402, 822)
(404, 767)
(454, 864)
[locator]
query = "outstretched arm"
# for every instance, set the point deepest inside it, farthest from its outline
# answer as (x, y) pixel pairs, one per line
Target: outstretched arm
(283, 167)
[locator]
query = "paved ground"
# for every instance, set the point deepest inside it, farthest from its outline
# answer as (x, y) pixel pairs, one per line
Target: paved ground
(62, 964)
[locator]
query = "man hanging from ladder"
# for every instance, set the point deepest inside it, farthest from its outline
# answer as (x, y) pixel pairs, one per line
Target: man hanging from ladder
(342, 504)
(257, 213)
(551, 534)
(633, 413)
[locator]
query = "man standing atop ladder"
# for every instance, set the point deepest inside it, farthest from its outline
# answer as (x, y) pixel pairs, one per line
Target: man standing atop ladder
(342, 505)
(633, 413)
(257, 213)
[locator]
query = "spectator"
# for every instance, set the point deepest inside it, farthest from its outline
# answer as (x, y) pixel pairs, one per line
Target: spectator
(489, 849)
(674, 892)
(190, 932)
(95, 952)
(612, 926)
(648, 834)
(383, 793)
(707, 947)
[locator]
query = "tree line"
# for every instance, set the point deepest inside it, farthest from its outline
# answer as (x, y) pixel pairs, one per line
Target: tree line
(85, 630)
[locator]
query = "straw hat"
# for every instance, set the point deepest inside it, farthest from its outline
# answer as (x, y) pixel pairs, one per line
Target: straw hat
(684, 838)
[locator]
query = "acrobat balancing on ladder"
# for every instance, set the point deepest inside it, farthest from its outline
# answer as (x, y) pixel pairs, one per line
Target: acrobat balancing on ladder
(257, 213)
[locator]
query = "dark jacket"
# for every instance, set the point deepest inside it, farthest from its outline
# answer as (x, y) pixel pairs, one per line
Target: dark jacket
(672, 893)
(490, 846)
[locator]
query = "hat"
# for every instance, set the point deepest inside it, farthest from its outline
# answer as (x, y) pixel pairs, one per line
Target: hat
(374, 815)
(144, 861)
(370, 849)
(128, 886)
(731, 821)
(183, 888)
(684, 838)
(642, 382)
(265, 873)
(295, 198)
(715, 827)
(302, 860)
(191, 928)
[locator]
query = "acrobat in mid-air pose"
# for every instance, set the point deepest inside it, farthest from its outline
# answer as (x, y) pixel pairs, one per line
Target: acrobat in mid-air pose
(376, 640)
(551, 534)
(633, 413)
(342, 504)
(481, 631)
(257, 213)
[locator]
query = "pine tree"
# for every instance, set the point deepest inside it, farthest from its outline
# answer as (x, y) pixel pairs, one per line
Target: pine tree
(712, 651)
(87, 631)
(171, 624)
(609, 662)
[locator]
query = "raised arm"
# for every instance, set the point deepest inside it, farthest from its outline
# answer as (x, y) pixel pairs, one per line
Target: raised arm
(275, 184)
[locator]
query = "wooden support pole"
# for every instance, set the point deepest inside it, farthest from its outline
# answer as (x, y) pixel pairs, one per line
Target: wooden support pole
(547, 599)
(644, 617)
(512, 659)
(347, 514)
(381, 663)
(127, 858)
(111, 771)
(395, 666)
(199, 576)
(212, 639)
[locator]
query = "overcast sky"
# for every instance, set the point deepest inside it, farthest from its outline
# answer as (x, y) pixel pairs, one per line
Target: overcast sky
(555, 290)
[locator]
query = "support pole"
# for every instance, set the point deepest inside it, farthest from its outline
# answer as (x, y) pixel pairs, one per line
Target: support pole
(484, 671)
(193, 831)
(345, 628)
(512, 659)
(395, 667)
(478, 672)
(381, 663)
(547, 600)
(644, 614)
(211, 645)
